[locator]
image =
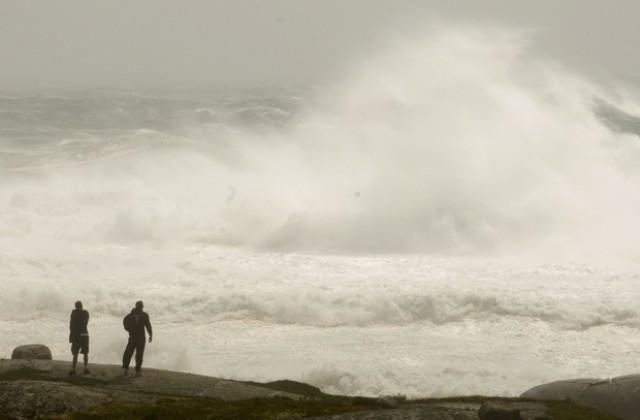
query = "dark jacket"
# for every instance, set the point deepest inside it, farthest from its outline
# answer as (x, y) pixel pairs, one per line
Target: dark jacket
(136, 322)
(78, 323)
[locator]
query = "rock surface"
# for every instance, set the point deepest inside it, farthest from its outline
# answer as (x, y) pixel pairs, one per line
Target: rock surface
(618, 396)
(444, 411)
(39, 392)
(496, 410)
(153, 381)
(32, 351)
(27, 399)
(509, 410)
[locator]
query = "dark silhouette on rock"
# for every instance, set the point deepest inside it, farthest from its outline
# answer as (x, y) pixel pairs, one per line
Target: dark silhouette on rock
(79, 337)
(136, 323)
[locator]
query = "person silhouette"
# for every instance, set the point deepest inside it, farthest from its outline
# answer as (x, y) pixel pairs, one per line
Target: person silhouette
(136, 322)
(79, 337)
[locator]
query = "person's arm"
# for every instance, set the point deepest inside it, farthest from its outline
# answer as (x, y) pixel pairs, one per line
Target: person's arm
(71, 328)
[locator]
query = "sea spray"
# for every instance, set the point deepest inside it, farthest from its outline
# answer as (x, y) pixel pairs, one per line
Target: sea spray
(454, 142)
(394, 230)
(459, 142)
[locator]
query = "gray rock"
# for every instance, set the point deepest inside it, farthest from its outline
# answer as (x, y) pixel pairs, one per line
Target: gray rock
(618, 396)
(34, 399)
(32, 351)
(561, 390)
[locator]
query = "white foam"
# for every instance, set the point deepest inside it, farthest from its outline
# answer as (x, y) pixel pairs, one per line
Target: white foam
(417, 325)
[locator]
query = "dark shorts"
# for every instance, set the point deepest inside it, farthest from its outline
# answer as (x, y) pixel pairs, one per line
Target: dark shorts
(80, 345)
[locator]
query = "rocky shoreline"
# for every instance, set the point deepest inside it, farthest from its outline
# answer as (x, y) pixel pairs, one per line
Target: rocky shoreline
(32, 388)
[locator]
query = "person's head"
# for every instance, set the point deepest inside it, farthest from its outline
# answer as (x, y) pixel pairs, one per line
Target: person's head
(78, 305)
(139, 305)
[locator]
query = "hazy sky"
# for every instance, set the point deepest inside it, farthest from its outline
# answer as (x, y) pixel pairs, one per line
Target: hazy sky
(218, 42)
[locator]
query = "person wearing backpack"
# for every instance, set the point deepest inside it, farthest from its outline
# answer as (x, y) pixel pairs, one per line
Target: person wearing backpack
(136, 322)
(79, 337)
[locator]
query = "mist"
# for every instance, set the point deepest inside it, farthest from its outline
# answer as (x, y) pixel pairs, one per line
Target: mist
(280, 42)
(453, 140)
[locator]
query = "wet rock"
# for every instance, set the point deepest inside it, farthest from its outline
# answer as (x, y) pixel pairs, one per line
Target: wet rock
(618, 396)
(32, 351)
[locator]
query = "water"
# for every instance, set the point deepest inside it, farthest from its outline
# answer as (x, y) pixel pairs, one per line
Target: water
(456, 217)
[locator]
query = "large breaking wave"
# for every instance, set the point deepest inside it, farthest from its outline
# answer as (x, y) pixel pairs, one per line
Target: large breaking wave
(451, 142)
(461, 142)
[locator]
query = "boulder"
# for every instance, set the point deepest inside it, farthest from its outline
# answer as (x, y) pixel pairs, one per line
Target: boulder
(618, 396)
(32, 351)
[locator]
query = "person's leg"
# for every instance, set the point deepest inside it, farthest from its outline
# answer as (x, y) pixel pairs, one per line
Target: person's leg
(74, 361)
(85, 353)
(128, 352)
(139, 354)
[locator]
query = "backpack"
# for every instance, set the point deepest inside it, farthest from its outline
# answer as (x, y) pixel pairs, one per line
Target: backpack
(128, 322)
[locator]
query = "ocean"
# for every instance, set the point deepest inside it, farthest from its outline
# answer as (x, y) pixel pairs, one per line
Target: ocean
(455, 217)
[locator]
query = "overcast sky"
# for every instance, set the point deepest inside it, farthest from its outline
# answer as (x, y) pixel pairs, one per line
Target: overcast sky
(222, 42)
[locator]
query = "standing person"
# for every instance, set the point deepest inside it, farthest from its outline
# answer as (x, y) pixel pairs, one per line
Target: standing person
(135, 323)
(79, 337)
